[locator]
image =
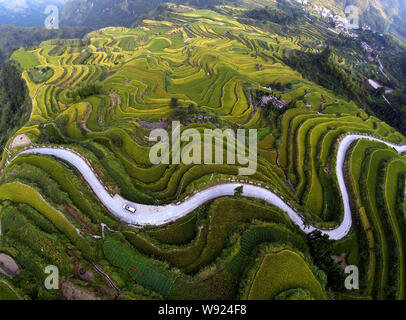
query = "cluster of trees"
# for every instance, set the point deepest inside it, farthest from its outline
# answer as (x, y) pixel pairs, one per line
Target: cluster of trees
(116, 140)
(282, 13)
(183, 114)
(393, 114)
(86, 90)
(180, 113)
(102, 13)
(238, 192)
(279, 86)
(393, 57)
(321, 249)
(341, 41)
(15, 104)
(323, 69)
(403, 67)
(392, 53)
(50, 134)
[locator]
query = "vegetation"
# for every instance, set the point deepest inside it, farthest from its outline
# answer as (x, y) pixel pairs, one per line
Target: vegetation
(279, 272)
(140, 269)
(14, 37)
(323, 69)
(40, 75)
(15, 105)
(322, 250)
(83, 91)
(103, 94)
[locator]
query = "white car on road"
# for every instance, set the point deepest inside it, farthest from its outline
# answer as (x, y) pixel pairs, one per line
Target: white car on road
(129, 208)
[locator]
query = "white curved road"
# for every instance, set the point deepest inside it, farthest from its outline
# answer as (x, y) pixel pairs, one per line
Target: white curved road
(159, 215)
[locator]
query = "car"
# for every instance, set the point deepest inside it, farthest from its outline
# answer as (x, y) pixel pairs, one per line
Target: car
(129, 208)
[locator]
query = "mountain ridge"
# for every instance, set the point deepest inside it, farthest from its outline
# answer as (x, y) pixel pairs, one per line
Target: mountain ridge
(382, 15)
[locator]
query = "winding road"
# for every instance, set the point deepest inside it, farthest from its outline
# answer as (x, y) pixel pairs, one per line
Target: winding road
(160, 215)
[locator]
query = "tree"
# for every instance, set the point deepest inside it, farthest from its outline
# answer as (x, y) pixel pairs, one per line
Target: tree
(239, 191)
(13, 84)
(380, 91)
(321, 249)
(116, 140)
(86, 90)
(174, 102)
(15, 103)
(180, 114)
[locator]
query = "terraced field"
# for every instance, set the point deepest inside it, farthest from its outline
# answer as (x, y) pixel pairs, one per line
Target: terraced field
(296, 274)
(102, 98)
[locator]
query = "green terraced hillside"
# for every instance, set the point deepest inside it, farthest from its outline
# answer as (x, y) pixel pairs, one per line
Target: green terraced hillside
(101, 96)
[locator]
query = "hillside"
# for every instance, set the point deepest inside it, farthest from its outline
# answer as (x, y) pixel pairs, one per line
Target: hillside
(104, 13)
(14, 37)
(381, 15)
(101, 96)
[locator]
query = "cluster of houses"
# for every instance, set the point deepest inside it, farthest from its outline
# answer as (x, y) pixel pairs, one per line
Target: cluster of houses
(323, 12)
(367, 47)
(266, 100)
(341, 23)
(200, 119)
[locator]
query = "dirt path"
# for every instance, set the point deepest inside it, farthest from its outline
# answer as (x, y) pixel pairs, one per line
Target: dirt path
(85, 118)
(72, 212)
(70, 291)
(115, 100)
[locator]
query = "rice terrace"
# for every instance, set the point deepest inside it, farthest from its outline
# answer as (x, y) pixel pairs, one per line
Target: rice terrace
(278, 215)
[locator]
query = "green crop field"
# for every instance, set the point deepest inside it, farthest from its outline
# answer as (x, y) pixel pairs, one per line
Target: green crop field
(280, 272)
(140, 269)
(25, 58)
(6, 293)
